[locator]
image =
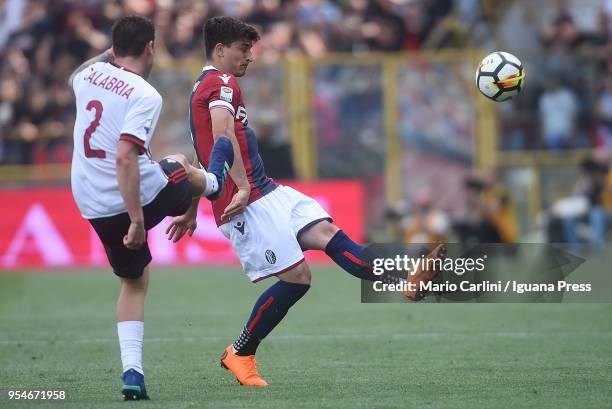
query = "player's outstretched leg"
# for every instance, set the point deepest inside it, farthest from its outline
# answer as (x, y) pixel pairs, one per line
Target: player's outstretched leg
(130, 328)
(352, 258)
(268, 311)
(349, 255)
(423, 274)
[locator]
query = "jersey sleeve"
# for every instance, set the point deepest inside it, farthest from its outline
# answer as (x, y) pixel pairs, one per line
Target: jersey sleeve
(221, 90)
(78, 78)
(141, 119)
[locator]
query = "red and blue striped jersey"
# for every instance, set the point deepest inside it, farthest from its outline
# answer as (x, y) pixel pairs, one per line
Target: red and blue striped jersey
(216, 89)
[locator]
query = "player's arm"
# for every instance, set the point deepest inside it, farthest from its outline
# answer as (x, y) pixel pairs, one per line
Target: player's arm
(223, 125)
(128, 178)
(106, 56)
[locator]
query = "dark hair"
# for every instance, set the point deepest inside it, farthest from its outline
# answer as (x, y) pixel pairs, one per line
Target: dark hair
(131, 34)
(226, 30)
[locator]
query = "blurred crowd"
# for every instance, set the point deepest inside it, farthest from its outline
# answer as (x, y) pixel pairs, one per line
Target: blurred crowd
(585, 216)
(567, 103)
(41, 41)
(486, 214)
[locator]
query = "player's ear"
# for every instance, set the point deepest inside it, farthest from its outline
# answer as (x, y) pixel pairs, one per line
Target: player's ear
(219, 49)
(150, 47)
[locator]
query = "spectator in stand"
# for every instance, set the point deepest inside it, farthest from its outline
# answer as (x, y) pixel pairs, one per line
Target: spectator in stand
(414, 22)
(9, 95)
(594, 186)
(600, 215)
(561, 39)
(561, 33)
(384, 28)
(426, 222)
(558, 107)
(604, 116)
(489, 214)
(266, 13)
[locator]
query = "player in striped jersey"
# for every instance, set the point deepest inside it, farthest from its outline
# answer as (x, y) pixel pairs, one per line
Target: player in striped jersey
(270, 225)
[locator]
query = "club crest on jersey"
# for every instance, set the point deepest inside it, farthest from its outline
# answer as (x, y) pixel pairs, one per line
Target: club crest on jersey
(226, 94)
(270, 257)
(225, 78)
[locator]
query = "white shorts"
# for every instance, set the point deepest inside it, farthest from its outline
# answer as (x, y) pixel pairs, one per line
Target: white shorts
(265, 236)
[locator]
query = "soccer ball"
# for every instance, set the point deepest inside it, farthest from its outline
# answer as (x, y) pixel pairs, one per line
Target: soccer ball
(500, 76)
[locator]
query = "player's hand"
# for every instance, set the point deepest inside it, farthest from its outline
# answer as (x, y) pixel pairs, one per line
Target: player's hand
(180, 225)
(136, 236)
(238, 204)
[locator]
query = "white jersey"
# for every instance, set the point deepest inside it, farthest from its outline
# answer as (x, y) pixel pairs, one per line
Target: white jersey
(112, 103)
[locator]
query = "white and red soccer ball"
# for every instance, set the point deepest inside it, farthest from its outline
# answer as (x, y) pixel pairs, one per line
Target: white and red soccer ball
(500, 76)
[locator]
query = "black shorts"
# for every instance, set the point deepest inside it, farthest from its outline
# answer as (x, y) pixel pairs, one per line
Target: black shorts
(172, 200)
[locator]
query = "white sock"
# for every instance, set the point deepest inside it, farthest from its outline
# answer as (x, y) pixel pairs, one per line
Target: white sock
(212, 185)
(131, 334)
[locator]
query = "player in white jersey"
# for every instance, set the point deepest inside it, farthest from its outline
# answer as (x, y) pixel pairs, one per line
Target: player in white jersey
(115, 183)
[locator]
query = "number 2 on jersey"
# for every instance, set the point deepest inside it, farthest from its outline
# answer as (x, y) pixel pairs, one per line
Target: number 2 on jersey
(89, 151)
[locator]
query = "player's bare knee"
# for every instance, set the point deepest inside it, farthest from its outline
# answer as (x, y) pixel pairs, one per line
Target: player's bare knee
(137, 284)
(305, 276)
(328, 230)
(298, 275)
(317, 237)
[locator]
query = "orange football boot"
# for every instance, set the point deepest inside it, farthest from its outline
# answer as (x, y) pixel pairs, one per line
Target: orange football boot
(243, 367)
(423, 275)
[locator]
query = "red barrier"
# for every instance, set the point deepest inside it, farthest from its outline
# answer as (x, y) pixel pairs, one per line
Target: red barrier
(43, 228)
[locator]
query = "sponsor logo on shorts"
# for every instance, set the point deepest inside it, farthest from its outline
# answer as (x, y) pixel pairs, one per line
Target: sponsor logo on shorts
(270, 256)
(240, 227)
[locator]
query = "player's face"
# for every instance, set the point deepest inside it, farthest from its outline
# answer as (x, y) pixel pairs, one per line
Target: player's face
(237, 57)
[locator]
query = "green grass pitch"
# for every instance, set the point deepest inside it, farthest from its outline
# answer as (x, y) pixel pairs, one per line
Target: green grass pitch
(57, 331)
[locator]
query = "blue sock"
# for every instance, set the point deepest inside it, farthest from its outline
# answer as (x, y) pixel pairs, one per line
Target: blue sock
(350, 256)
(269, 310)
(221, 160)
